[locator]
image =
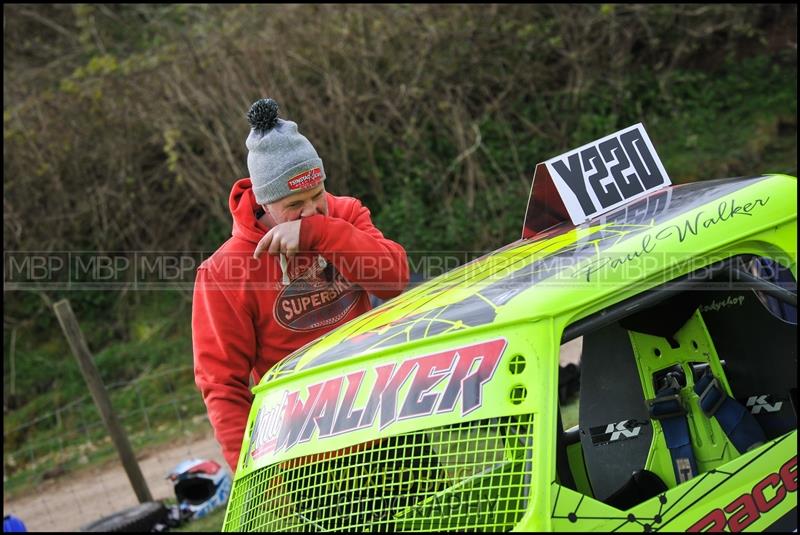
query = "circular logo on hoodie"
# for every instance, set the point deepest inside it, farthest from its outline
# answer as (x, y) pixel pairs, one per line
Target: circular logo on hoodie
(317, 298)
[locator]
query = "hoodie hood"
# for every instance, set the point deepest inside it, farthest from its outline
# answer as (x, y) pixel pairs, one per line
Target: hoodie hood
(243, 206)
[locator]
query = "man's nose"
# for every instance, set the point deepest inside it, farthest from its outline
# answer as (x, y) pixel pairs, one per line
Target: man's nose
(308, 209)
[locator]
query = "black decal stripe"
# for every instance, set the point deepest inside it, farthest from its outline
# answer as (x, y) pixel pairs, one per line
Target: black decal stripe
(555, 503)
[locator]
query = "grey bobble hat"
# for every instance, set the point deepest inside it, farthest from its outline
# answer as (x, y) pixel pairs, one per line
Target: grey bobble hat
(281, 160)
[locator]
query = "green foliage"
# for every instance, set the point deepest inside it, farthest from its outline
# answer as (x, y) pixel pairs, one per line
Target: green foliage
(150, 383)
(441, 105)
(730, 123)
(46, 375)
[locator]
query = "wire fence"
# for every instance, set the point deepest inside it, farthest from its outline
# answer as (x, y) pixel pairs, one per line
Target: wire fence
(61, 470)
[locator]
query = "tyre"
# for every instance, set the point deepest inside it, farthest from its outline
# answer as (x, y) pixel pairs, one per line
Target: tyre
(142, 517)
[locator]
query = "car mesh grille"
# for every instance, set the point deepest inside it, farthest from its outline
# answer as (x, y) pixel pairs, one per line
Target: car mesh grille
(470, 476)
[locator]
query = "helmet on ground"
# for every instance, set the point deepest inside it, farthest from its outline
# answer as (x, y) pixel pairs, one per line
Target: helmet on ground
(201, 485)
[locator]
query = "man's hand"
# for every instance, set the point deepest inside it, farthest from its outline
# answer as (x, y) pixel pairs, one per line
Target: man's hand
(283, 238)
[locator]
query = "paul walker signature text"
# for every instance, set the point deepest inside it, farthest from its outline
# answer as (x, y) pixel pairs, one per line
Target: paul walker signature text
(726, 210)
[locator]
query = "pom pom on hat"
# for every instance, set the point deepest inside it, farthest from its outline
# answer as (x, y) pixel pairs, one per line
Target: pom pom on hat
(263, 114)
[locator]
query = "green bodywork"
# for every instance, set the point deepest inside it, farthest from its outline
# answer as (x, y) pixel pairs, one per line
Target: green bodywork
(464, 368)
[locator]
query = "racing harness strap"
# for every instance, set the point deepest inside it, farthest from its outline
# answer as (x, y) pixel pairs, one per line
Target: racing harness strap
(737, 422)
(667, 407)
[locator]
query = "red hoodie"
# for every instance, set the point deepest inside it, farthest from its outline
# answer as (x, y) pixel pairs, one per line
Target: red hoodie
(245, 318)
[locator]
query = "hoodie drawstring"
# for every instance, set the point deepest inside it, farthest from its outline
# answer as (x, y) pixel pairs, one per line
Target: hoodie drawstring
(321, 262)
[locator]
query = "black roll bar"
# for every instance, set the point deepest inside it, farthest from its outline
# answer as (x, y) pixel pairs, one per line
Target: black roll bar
(691, 281)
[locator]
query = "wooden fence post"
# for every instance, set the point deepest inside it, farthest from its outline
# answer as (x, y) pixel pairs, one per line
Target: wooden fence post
(69, 324)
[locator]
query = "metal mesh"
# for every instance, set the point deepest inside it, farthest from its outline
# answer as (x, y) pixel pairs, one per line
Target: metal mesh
(467, 477)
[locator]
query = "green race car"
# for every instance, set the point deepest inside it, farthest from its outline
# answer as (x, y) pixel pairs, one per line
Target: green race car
(439, 410)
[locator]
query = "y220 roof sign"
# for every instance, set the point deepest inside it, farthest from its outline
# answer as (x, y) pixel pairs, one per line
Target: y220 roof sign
(594, 179)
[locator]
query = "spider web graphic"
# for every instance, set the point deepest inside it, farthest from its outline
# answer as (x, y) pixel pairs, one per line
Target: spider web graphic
(479, 288)
(488, 283)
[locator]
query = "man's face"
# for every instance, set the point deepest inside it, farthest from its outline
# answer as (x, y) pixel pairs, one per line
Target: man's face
(297, 206)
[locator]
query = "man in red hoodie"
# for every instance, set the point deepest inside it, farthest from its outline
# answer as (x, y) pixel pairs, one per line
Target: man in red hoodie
(300, 262)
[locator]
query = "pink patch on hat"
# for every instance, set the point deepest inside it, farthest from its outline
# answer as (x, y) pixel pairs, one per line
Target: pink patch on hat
(305, 180)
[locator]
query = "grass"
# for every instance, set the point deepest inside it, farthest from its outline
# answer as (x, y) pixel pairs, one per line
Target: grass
(29, 478)
(212, 522)
(569, 414)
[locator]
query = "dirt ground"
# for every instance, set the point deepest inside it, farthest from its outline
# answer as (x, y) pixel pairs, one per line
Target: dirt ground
(67, 503)
(70, 502)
